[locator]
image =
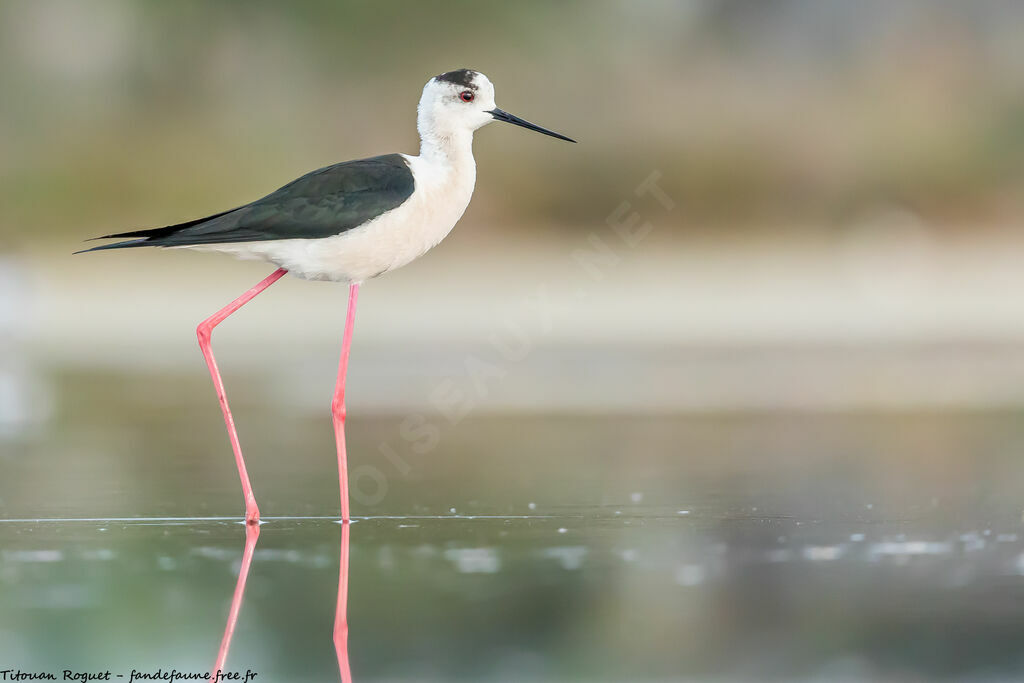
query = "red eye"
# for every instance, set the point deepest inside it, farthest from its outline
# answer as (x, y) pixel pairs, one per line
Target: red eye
(466, 95)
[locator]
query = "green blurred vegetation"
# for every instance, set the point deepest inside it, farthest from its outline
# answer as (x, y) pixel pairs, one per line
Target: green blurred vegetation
(758, 112)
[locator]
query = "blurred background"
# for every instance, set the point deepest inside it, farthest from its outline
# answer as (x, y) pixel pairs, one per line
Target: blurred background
(843, 178)
(774, 284)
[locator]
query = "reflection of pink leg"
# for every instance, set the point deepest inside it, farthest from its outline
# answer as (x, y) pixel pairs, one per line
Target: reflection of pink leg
(341, 611)
(252, 534)
(338, 404)
(204, 332)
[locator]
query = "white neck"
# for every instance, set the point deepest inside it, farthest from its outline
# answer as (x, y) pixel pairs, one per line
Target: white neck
(445, 169)
(451, 147)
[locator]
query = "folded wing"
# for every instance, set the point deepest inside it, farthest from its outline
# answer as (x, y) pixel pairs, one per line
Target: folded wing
(323, 203)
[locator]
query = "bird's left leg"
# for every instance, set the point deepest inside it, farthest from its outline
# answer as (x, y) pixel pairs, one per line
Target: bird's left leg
(338, 404)
(204, 332)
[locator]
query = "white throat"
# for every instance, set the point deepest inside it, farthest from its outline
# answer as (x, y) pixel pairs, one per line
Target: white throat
(445, 169)
(446, 147)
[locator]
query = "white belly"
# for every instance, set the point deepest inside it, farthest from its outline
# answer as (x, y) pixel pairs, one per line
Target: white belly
(389, 241)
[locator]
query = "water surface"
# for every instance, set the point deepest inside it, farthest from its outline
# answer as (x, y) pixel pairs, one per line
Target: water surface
(551, 547)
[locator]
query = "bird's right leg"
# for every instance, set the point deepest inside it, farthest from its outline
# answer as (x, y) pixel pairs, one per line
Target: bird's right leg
(204, 332)
(338, 404)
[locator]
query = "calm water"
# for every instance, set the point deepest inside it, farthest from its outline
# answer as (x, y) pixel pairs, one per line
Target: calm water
(748, 547)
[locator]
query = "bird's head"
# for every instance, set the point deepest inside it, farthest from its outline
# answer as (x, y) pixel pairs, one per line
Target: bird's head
(458, 102)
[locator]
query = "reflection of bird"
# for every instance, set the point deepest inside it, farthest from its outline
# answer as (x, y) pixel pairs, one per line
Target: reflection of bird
(341, 610)
(252, 534)
(340, 632)
(349, 222)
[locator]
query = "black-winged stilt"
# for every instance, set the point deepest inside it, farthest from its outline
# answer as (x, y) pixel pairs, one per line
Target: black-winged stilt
(348, 223)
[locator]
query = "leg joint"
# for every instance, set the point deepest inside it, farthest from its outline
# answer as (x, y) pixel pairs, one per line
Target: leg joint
(204, 332)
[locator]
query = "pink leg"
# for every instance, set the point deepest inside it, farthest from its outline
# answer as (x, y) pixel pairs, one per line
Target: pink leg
(338, 404)
(341, 610)
(252, 534)
(204, 332)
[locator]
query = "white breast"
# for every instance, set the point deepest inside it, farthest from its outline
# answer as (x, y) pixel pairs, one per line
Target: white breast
(442, 191)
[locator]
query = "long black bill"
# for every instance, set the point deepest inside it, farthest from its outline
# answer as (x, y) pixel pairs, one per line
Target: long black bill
(509, 118)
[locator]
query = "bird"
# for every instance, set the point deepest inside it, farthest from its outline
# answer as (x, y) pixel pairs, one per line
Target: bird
(348, 222)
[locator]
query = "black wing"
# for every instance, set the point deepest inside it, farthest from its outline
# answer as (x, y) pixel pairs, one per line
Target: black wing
(323, 203)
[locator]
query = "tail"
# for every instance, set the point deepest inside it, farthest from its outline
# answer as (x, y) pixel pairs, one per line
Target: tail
(116, 245)
(149, 237)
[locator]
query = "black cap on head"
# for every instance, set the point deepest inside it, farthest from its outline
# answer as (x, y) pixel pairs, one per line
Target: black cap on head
(463, 77)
